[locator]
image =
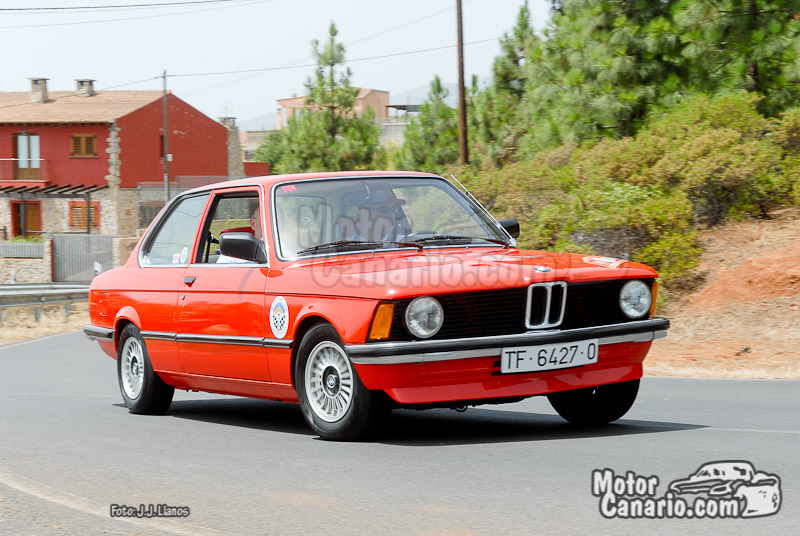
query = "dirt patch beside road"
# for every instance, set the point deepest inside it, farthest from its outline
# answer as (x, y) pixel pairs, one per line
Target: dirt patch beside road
(744, 322)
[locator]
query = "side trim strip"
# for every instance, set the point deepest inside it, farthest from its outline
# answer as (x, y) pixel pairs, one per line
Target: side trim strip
(96, 333)
(488, 352)
(218, 339)
(158, 336)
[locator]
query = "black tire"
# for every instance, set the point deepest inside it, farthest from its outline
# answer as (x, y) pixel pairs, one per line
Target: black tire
(323, 374)
(595, 405)
(143, 391)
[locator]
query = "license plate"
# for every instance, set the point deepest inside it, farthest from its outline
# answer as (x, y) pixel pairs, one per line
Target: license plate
(548, 356)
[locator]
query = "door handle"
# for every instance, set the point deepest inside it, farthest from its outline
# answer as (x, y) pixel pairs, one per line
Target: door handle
(189, 279)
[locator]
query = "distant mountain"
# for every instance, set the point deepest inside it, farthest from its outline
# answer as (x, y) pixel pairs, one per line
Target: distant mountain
(262, 122)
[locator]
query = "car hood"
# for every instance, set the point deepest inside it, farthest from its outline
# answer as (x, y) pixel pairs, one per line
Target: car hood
(388, 275)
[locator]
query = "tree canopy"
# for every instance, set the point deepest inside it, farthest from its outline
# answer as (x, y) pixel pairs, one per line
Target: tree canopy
(327, 135)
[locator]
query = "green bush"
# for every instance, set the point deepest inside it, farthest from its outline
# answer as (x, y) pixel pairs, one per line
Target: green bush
(645, 197)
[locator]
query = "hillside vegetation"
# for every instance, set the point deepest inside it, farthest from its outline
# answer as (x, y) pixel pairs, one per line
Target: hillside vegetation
(645, 197)
(622, 129)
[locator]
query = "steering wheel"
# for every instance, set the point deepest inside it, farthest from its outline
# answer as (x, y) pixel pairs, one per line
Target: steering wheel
(417, 234)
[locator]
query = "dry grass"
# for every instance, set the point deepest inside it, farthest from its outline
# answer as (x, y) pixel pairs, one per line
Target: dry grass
(19, 324)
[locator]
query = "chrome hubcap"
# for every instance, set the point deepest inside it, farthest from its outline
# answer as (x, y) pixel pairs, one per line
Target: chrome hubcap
(329, 382)
(132, 368)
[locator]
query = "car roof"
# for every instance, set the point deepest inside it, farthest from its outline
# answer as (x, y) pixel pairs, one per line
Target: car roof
(270, 180)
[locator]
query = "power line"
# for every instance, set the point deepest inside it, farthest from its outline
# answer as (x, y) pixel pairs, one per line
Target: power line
(245, 3)
(119, 6)
(305, 58)
(265, 69)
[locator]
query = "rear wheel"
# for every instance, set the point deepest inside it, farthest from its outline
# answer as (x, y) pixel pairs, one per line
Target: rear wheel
(595, 405)
(335, 403)
(143, 391)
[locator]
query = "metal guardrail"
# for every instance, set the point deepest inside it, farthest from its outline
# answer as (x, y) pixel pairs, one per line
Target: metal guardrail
(33, 295)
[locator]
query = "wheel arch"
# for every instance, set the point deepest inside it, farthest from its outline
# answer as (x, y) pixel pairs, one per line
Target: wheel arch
(126, 315)
(303, 327)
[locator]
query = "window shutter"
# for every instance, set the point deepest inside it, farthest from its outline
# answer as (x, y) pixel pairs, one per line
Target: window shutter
(91, 150)
(77, 216)
(76, 145)
(83, 145)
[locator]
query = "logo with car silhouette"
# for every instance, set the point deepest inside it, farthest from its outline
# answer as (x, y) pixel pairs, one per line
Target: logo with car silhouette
(717, 490)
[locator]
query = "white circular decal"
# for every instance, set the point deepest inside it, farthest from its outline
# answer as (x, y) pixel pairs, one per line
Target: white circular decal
(184, 254)
(279, 317)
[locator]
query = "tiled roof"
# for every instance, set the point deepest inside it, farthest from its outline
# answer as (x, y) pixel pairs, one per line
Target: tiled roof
(66, 107)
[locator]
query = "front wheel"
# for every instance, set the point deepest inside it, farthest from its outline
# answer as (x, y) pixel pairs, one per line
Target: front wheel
(595, 405)
(143, 391)
(332, 398)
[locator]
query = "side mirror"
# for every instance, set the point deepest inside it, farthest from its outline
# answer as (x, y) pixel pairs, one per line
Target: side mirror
(511, 226)
(242, 246)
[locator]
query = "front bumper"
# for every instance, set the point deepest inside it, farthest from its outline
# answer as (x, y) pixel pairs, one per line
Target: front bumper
(392, 353)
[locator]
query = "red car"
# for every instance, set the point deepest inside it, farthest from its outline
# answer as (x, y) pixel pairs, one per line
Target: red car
(356, 292)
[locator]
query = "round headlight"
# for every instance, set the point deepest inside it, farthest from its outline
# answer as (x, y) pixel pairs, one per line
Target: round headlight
(424, 317)
(635, 299)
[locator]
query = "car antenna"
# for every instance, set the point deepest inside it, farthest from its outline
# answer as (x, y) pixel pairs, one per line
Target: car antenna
(480, 205)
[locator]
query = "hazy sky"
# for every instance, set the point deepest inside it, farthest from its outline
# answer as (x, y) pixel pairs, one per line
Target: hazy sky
(123, 45)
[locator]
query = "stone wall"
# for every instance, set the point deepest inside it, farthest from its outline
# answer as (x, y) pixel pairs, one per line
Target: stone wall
(5, 218)
(124, 248)
(127, 212)
(235, 165)
(28, 270)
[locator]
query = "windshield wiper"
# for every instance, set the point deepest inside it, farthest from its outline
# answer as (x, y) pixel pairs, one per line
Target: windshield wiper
(355, 243)
(468, 239)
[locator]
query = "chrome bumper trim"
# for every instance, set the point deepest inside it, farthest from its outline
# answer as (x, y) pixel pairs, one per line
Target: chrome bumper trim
(451, 349)
(96, 333)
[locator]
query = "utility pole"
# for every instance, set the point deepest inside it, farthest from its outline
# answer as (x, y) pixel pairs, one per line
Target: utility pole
(462, 100)
(166, 142)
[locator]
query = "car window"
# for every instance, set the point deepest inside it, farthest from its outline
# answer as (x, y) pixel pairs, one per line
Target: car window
(230, 213)
(430, 207)
(174, 238)
(301, 221)
(386, 210)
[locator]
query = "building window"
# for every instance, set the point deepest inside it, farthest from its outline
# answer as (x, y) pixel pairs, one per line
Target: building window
(26, 219)
(77, 214)
(26, 152)
(83, 145)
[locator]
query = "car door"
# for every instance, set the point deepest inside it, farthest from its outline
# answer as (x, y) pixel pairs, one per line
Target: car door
(163, 258)
(221, 318)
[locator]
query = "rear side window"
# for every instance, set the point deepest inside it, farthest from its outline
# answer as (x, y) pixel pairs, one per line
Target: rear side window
(173, 240)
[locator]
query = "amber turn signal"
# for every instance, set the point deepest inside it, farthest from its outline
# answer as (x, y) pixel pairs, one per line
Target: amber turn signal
(654, 292)
(382, 322)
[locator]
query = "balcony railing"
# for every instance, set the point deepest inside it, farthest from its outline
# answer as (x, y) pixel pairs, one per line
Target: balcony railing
(24, 169)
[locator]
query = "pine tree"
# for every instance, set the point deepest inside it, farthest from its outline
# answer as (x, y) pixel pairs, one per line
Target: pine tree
(604, 65)
(744, 44)
(327, 135)
(431, 140)
(497, 123)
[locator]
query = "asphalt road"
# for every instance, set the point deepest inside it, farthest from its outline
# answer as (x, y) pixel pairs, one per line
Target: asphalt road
(69, 449)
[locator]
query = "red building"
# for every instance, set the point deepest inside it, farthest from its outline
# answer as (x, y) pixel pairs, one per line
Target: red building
(62, 152)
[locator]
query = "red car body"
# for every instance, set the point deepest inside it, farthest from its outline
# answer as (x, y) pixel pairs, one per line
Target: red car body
(208, 327)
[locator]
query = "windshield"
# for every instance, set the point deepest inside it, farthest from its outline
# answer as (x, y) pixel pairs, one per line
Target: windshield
(333, 215)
